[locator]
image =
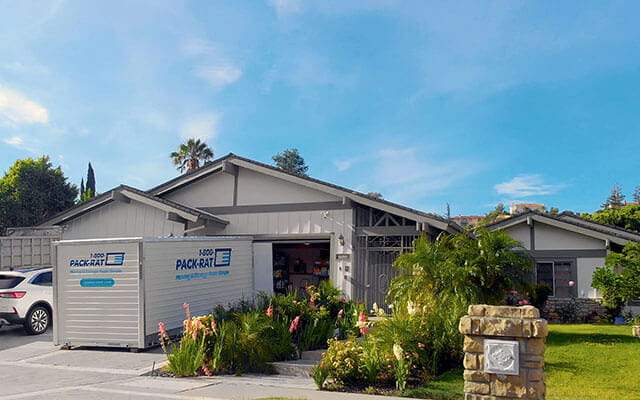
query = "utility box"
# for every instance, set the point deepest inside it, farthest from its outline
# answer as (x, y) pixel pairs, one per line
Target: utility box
(114, 292)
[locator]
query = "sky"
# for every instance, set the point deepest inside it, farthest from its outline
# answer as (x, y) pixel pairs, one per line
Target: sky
(467, 103)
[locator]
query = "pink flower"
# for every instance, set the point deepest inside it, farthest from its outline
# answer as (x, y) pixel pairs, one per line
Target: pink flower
(363, 330)
(185, 305)
(269, 311)
(162, 331)
(294, 324)
(214, 326)
(523, 302)
(206, 370)
(421, 345)
(362, 317)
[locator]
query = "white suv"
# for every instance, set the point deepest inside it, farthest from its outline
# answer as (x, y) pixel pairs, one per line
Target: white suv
(25, 298)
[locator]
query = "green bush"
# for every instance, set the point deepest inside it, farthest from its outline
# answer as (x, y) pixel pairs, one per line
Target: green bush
(247, 336)
(540, 293)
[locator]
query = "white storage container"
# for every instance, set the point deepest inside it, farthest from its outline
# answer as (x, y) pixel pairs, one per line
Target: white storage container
(114, 292)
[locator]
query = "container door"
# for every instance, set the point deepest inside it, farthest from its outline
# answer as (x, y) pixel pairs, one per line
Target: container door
(263, 267)
(98, 294)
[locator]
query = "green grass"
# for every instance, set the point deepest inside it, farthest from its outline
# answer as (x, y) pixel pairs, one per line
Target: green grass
(448, 386)
(582, 362)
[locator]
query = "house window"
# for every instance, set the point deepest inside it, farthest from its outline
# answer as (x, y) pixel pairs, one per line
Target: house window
(545, 273)
(558, 275)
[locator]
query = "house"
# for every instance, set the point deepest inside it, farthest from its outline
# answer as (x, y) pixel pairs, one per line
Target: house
(467, 220)
(524, 207)
(304, 230)
(566, 250)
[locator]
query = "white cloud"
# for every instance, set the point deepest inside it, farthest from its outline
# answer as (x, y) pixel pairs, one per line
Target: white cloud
(286, 6)
(410, 173)
(343, 165)
(14, 141)
(16, 109)
(203, 127)
(526, 185)
(214, 63)
(198, 47)
(219, 76)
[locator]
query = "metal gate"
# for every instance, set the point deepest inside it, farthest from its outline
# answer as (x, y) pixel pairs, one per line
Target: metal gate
(25, 251)
(374, 266)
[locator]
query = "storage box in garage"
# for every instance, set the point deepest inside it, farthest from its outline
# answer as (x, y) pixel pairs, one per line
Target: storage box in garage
(114, 292)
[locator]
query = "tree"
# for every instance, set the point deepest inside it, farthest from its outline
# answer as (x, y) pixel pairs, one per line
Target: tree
(90, 189)
(375, 195)
(32, 191)
(636, 195)
(619, 287)
(291, 161)
(494, 215)
(615, 199)
(81, 188)
(553, 211)
(190, 154)
(456, 268)
(627, 217)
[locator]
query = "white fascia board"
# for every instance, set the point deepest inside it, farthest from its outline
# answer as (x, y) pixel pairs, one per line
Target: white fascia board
(581, 230)
(75, 211)
(566, 226)
(631, 236)
(342, 193)
(210, 169)
(159, 205)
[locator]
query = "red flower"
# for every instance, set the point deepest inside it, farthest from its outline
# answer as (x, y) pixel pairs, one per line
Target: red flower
(269, 311)
(294, 324)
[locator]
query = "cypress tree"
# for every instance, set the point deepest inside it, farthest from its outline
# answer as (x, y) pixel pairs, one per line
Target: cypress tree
(91, 182)
(81, 188)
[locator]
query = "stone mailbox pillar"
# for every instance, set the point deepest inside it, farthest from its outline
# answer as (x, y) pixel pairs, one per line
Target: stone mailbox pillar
(504, 353)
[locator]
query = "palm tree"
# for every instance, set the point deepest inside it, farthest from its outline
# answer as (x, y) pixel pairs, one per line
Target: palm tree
(190, 154)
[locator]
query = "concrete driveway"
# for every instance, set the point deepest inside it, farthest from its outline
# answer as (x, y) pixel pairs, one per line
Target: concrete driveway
(37, 370)
(14, 335)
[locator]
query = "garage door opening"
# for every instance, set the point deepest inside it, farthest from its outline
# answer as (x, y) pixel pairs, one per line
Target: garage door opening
(297, 265)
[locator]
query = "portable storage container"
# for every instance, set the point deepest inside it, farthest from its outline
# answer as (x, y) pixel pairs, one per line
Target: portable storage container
(114, 292)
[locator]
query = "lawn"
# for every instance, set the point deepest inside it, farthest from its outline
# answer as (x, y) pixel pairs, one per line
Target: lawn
(582, 362)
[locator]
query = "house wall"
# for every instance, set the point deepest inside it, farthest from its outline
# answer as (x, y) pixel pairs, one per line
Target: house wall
(555, 244)
(586, 268)
(215, 190)
(257, 188)
(551, 238)
(302, 224)
(120, 219)
(521, 233)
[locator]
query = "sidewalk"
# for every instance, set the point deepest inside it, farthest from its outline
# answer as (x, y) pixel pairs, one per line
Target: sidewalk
(39, 370)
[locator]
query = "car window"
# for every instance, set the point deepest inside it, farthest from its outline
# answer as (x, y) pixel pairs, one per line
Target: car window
(9, 281)
(44, 279)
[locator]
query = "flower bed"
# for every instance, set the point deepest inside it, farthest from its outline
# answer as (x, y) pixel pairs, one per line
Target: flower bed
(246, 337)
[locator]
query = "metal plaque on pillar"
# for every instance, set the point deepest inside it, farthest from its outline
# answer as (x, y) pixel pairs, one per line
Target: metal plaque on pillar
(502, 357)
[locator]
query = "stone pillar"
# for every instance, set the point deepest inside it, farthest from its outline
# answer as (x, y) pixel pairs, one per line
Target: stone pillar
(513, 339)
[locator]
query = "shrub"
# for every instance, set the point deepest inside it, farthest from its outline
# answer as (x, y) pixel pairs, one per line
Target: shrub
(185, 359)
(540, 293)
(568, 312)
(344, 361)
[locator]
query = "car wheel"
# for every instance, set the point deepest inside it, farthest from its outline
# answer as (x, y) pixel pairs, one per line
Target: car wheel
(37, 321)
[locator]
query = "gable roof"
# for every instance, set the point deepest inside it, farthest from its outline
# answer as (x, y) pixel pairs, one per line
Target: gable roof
(127, 192)
(339, 191)
(571, 223)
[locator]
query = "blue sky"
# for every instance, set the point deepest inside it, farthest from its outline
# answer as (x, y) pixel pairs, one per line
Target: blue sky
(470, 103)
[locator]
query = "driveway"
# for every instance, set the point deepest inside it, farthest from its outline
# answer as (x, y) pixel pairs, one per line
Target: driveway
(14, 336)
(37, 370)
